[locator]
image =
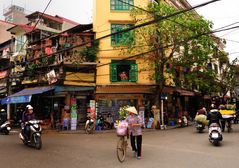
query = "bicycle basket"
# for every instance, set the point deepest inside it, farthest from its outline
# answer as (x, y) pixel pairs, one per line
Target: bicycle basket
(121, 130)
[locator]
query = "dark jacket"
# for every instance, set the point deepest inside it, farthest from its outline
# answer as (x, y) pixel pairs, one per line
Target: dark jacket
(27, 117)
(214, 116)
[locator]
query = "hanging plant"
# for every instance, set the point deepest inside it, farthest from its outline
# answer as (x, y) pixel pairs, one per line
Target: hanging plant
(32, 69)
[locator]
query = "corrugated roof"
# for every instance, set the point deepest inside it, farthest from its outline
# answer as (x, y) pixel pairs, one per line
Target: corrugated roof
(26, 28)
(59, 20)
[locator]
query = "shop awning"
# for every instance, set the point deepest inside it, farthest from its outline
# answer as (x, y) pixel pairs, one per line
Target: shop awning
(185, 92)
(72, 88)
(206, 97)
(25, 95)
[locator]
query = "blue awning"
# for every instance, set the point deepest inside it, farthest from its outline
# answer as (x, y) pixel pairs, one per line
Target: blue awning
(18, 99)
(25, 95)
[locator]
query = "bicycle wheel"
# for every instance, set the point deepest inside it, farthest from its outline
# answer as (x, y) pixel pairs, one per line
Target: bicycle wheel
(121, 150)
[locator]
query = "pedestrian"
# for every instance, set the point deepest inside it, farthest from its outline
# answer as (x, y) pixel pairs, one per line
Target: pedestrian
(135, 131)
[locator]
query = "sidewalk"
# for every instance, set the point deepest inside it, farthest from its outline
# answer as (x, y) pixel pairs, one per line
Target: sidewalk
(82, 131)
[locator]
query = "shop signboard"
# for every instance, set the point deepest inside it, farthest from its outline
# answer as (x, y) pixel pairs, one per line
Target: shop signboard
(51, 77)
(141, 114)
(92, 109)
(73, 114)
(3, 74)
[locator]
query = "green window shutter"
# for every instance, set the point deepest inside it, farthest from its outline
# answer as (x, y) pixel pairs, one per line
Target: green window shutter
(124, 38)
(133, 74)
(113, 72)
(121, 4)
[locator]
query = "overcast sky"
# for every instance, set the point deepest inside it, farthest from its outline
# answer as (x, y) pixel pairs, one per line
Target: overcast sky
(221, 13)
(76, 10)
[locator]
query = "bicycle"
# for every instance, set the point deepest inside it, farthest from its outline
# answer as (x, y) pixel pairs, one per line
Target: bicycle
(122, 132)
(121, 148)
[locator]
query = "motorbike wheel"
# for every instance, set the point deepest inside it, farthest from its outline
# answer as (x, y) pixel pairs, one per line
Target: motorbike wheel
(200, 130)
(89, 128)
(38, 142)
(216, 143)
(229, 127)
(6, 132)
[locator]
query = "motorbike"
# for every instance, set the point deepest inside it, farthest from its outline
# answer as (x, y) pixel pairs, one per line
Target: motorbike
(200, 126)
(89, 126)
(5, 128)
(215, 134)
(35, 134)
(182, 121)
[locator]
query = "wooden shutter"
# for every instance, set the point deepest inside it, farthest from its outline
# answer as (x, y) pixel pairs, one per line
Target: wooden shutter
(133, 74)
(113, 72)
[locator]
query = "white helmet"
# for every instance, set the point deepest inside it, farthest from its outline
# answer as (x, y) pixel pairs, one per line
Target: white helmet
(212, 105)
(29, 107)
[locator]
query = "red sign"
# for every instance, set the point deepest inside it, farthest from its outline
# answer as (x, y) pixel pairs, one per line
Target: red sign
(3, 74)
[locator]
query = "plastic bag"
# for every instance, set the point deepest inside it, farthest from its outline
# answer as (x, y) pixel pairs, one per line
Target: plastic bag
(121, 129)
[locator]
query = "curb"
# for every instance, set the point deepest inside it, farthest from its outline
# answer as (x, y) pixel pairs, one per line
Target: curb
(103, 131)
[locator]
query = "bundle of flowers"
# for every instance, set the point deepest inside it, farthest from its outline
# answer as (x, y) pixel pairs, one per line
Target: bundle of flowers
(122, 111)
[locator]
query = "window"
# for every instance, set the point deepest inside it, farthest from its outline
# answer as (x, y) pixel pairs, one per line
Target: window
(121, 38)
(119, 5)
(123, 71)
(19, 43)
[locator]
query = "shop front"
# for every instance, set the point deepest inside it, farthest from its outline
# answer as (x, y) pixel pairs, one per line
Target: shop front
(110, 104)
(109, 99)
(53, 104)
(70, 104)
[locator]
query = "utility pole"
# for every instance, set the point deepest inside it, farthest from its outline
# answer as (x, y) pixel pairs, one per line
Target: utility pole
(9, 79)
(8, 94)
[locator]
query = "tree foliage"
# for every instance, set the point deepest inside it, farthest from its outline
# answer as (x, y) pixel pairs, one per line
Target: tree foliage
(228, 81)
(179, 41)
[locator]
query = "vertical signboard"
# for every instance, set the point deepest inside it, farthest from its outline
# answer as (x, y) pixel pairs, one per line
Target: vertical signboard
(141, 114)
(73, 114)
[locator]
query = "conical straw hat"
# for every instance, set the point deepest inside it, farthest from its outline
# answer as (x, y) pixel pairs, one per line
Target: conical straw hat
(132, 109)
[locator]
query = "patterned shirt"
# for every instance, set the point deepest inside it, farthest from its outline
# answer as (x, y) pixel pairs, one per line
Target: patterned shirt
(135, 130)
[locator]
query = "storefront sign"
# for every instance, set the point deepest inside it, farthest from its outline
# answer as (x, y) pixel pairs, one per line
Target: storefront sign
(51, 77)
(3, 74)
(141, 114)
(92, 109)
(73, 114)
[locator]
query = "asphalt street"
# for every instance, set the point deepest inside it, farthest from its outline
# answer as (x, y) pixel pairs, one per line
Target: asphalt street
(174, 148)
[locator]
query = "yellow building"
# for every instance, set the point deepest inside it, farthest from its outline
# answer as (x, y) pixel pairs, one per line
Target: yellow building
(119, 79)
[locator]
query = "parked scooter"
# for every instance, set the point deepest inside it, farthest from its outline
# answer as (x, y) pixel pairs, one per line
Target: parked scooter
(5, 128)
(35, 134)
(215, 134)
(183, 121)
(200, 126)
(89, 126)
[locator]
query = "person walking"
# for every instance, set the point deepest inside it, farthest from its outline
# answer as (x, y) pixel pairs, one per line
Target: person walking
(135, 131)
